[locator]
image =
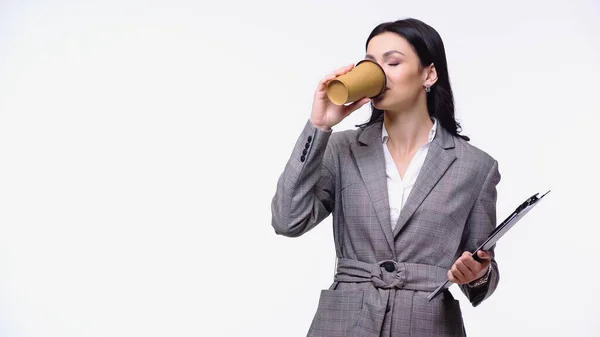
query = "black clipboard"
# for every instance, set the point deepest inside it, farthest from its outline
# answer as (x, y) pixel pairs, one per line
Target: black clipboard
(498, 232)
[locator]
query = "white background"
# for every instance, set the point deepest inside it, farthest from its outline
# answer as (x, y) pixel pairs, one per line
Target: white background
(141, 143)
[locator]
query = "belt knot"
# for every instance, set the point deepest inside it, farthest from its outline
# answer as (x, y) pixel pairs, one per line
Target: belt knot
(388, 274)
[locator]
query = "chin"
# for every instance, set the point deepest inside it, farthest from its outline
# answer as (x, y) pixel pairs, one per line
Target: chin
(387, 103)
(381, 104)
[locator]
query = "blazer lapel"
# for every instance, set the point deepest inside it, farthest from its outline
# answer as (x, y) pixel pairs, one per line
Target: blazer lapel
(439, 158)
(369, 157)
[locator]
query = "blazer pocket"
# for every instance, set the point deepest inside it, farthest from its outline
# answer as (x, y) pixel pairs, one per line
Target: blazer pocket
(440, 317)
(337, 313)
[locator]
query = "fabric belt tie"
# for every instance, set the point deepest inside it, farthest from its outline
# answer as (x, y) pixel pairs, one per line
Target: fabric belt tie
(390, 274)
(387, 277)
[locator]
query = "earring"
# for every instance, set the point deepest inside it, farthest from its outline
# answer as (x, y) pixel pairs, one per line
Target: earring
(427, 88)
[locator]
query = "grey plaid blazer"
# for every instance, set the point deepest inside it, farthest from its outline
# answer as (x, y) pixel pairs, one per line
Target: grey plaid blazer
(383, 277)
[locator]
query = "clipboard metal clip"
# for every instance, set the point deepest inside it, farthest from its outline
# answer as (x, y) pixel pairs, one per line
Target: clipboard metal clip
(531, 201)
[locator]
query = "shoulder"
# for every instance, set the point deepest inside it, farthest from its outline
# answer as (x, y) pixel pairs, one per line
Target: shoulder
(344, 138)
(473, 155)
(357, 136)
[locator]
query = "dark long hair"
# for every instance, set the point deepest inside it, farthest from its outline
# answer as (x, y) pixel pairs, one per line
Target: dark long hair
(429, 47)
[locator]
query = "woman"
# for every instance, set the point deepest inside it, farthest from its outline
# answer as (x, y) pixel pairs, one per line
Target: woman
(410, 197)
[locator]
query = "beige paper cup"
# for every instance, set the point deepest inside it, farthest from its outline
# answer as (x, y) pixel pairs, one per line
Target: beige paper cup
(366, 79)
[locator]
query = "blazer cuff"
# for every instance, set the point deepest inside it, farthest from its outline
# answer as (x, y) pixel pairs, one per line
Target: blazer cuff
(312, 137)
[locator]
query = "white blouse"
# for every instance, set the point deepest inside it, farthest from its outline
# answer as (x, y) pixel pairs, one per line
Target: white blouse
(398, 188)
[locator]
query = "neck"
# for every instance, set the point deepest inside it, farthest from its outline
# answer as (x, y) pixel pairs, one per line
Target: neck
(407, 130)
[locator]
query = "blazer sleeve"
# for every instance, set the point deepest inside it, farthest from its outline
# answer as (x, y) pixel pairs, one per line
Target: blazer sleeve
(480, 224)
(305, 190)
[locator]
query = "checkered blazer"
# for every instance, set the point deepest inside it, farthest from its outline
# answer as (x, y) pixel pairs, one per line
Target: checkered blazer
(384, 276)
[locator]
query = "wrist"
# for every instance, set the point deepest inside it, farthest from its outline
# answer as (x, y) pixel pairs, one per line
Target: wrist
(321, 126)
(482, 280)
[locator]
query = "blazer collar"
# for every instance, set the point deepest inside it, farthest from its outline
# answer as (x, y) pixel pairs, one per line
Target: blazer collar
(371, 135)
(369, 157)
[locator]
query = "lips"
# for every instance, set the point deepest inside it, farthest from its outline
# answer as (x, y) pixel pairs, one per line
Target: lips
(381, 94)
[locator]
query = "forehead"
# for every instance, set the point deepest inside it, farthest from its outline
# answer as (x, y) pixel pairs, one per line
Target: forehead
(384, 42)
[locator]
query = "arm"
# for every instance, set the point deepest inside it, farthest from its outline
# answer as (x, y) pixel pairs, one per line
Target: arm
(305, 190)
(480, 224)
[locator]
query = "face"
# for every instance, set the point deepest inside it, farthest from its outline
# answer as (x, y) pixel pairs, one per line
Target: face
(406, 78)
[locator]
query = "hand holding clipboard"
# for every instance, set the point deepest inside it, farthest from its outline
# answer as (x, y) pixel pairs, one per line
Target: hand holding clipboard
(498, 232)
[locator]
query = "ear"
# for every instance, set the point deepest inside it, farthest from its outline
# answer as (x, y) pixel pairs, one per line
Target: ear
(429, 75)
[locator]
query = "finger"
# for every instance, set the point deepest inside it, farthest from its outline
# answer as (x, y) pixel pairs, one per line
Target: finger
(484, 255)
(463, 265)
(334, 74)
(483, 266)
(470, 262)
(356, 105)
(323, 83)
(343, 70)
(451, 277)
(456, 278)
(337, 72)
(458, 275)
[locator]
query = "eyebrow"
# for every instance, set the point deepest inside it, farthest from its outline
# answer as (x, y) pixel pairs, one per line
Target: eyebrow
(386, 54)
